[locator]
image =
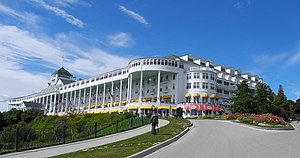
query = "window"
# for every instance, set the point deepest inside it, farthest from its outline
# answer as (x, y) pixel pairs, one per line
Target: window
(158, 61)
(188, 85)
(166, 62)
(167, 87)
(219, 82)
(169, 63)
(226, 92)
(189, 76)
(147, 90)
(196, 85)
(226, 83)
(212, 77)
(219, 91)
(196, 75)
(137, 83)
(151, 61)
(173, 63)
(167, 77)
(212, 86)
(205, 76)
(205, 85)
(154, 61)
(174, 77)
(173, 85)
(160, 89)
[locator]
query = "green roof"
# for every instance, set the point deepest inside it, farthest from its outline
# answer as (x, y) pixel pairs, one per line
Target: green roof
(172, 57)
(66, 81)
(62, 71)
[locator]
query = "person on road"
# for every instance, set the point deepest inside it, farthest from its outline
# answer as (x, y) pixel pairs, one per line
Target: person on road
(154, 121)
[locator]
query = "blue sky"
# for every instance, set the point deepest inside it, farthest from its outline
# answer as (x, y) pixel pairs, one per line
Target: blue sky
(261, 37)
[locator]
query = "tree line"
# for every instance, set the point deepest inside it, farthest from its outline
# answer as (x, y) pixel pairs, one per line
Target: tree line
(263, 100)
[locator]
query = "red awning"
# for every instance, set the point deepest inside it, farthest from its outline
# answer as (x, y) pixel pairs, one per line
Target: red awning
(194, 107)
(209, 107)
(221, 109)
(216, 108)
(201, 107)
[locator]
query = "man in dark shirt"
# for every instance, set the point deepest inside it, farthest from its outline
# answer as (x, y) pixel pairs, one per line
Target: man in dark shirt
(154, 121)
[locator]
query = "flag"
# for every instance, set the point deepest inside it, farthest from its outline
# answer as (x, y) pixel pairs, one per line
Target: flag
(113, 98)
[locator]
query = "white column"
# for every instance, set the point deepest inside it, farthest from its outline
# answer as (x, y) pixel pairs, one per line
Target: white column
(90, 96)
(128, 84)
(74, 101)
(130, 88)
(79, 102)
(103, 97)
(62, 102)
(176, 88)
(51, 103)
(54, 109)
(120, 95)
(141, 89)
(47, 103)
(67, 102)
(112, 93)
(158, 90)
(96, 101)
(84, 97)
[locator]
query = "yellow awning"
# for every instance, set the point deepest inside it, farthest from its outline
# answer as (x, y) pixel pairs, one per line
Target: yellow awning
(132, 107)
(166, 96)
(105, 111)
(114, 110)
(147, 99)
(120, 110)
(123, 101)
(196, 95)
(116, 102)
(174, 108)
(93, 105)
(204, 95)
(164, 107)
(99, 105)
(148, 107)
(134, 100)
(187, 95)
(213, 96)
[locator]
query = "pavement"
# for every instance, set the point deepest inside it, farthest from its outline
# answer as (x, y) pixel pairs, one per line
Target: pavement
(76, 146)
(215, 139)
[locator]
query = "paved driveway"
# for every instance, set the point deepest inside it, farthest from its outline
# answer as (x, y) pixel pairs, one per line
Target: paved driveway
(224, 139)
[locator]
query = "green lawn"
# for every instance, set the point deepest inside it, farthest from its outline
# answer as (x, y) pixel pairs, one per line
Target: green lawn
(133, 145)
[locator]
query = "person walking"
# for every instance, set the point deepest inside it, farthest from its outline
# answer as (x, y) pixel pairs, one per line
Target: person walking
(154, 121)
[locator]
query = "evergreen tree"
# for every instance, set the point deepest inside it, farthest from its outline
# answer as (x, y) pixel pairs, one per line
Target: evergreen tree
(2, 122)
(281, 106)
(243, 99)
(263, 99)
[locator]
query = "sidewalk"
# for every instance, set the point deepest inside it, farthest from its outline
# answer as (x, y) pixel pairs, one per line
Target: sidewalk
(71, 147)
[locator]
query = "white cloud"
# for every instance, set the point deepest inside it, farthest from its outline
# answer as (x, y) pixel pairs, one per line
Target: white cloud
(133, 15)
(19, 48)
(242, 3)
(69, 3)
(295, 58)
(24, 17)
(61, 13)
(120, 40)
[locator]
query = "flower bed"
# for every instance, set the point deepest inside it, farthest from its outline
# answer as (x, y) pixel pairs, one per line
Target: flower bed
(263, 120)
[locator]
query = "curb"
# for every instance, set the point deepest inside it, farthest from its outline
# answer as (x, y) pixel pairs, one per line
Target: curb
(267, 129)
(160, 145)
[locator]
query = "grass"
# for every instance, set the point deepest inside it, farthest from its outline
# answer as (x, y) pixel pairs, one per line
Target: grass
(133, 145)
(45, 140)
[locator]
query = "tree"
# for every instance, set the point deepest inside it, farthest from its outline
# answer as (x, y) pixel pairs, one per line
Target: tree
(243, 101)
(297, 109)
(12, 116)
(29, 115)
(263, 99)
(2, 122)
(281, 106)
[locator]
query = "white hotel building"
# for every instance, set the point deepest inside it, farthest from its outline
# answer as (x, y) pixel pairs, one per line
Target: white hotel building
(196, 85)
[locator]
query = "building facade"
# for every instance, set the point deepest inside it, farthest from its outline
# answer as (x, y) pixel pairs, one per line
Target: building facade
(196, 85)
